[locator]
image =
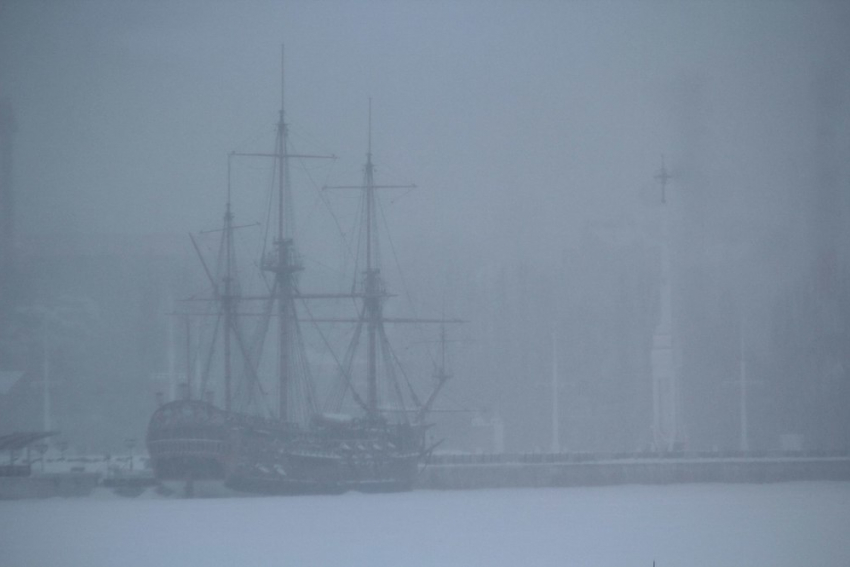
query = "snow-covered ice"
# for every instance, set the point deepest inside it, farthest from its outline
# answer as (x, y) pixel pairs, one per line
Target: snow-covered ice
(772, 525)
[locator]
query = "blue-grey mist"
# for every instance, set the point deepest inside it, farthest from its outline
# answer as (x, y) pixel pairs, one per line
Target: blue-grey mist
(533, 132)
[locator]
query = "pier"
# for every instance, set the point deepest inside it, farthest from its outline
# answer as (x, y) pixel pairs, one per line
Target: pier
(538, 470)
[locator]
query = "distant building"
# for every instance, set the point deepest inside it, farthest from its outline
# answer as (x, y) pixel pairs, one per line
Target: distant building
(93, 316)
(609, 295)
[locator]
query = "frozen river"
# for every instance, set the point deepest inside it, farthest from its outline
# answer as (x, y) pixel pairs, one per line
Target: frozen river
(773, 525)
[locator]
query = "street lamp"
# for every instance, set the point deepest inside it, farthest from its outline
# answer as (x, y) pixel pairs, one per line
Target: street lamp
(130, 444)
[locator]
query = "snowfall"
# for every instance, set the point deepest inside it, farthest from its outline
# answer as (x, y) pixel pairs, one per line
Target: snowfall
(793, 524)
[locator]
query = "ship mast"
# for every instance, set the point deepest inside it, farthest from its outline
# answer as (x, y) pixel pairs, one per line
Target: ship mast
(227, 298)
(373, 295)
(284, 264)
(374, 292)
(282, 270)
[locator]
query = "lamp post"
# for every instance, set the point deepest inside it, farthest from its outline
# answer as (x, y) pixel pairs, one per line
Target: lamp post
(130, 443)
(42, 449)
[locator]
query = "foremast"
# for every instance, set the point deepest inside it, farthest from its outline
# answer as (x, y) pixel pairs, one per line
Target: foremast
(226, 295)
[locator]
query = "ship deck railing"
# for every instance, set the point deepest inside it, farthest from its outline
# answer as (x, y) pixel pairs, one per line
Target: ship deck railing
(187, 446)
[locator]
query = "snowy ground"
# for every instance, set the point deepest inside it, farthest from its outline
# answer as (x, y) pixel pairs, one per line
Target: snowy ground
(773, 525)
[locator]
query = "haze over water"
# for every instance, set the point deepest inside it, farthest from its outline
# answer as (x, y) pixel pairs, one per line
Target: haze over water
(533, 132)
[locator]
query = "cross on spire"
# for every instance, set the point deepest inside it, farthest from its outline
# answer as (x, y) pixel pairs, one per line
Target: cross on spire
(663, 177)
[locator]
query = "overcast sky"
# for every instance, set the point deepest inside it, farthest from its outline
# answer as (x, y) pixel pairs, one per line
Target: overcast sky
(517, 120)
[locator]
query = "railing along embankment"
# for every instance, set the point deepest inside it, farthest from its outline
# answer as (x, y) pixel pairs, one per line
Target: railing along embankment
(597, 469)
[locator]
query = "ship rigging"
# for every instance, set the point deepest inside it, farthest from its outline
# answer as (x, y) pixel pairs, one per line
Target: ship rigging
(295, 448)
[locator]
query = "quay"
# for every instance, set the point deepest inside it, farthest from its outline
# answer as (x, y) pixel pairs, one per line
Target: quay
(61, 477)
(537, 470)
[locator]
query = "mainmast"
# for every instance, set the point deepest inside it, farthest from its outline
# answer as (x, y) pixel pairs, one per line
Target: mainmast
(284, 264)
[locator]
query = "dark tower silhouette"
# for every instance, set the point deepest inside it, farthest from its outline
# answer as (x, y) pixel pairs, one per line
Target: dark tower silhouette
(829, 365)
(811, 332)
(7, 210)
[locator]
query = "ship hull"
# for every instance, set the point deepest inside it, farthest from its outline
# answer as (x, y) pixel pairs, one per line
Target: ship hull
(212, 488)
(198, 450)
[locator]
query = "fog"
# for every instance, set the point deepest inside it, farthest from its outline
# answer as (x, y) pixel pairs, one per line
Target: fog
(533, 132)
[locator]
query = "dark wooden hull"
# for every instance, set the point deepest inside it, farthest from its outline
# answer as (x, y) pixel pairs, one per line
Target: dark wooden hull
(194, 442)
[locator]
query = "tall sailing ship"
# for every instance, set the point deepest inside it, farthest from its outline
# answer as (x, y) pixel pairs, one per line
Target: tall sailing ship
(199, 448)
